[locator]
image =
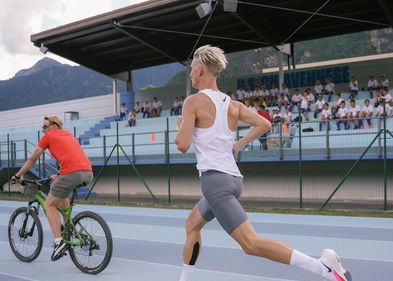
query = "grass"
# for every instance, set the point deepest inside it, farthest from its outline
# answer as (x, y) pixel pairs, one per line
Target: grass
(189, 205)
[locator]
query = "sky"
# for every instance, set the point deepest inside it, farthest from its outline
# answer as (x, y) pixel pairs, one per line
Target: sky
(19, 19)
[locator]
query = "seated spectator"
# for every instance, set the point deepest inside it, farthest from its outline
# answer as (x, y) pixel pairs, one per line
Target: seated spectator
(384, 84)
(372, 85)
(354, 114)
(274, 95)
(386, 97)
(276, 118)
(283, 101)
(156, 107)
(326, 116)
(146, 109)
(263, 138)
(287, 117)
(253, 106)
(329, 89)
(319, 106)
(132, 118)
(284, 90)
(304, 105)
(175, 110)
(318, 88)
(137, 107)
(296, 98)
(342, 116)
(123, 111)
(310, 97)
(336, 106)
(377, 98)
(240, 94)
(353, 87)
(380, 112)
(367, 112)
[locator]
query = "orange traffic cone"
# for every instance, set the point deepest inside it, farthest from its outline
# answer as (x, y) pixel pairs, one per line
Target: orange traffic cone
(285, 128)
(153, 136)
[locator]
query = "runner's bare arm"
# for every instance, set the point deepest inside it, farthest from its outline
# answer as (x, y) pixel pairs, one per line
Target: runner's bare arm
(187, 125)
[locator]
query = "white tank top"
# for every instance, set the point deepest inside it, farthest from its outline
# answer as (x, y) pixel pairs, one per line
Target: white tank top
(213, 146)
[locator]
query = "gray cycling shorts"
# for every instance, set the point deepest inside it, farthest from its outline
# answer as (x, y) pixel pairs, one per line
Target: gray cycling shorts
(64, 184)
(221, 192)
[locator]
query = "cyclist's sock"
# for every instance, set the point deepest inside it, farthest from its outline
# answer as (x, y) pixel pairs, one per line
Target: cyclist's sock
(57, 240)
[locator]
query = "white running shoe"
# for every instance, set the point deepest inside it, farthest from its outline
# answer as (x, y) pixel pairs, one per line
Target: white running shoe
(332, 267)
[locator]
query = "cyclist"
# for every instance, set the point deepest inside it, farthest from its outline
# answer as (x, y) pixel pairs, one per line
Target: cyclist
(75, 169)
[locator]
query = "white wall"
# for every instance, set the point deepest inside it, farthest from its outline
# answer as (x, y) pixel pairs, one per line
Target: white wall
(88, 108)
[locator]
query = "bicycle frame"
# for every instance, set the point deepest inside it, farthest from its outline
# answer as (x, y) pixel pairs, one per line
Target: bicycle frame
(40, 198)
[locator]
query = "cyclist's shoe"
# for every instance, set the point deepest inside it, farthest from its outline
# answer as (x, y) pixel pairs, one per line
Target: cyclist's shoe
(332, 267)
(59, 250)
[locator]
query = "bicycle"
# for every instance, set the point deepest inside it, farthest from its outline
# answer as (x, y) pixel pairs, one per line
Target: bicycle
(87, 234)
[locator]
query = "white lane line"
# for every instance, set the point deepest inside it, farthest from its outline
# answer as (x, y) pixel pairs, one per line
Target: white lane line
(17, 276)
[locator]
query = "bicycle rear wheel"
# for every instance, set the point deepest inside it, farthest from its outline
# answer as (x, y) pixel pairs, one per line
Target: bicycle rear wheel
(25, 234)
(96, 252)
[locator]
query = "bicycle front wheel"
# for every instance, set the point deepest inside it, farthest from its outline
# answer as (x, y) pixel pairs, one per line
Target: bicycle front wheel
(95, 253)
(25, 234)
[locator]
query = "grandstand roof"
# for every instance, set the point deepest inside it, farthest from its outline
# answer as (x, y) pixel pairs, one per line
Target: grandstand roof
(163, 31)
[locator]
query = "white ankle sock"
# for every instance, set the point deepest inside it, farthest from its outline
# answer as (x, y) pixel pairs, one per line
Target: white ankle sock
(306, 262)
(186, 272)
(57, 240)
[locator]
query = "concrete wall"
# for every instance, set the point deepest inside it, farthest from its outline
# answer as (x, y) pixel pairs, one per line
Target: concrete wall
(263, 182)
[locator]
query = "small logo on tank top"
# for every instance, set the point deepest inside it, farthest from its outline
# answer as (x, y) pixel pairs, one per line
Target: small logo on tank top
(224, 99)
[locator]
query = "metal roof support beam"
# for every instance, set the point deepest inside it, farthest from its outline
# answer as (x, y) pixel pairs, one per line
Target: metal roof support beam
(311, 13)
(119, 27)
(386, 11)
(260, 35)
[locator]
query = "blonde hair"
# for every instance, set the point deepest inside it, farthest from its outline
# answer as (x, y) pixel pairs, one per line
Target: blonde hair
(54, 120)
(212, 57)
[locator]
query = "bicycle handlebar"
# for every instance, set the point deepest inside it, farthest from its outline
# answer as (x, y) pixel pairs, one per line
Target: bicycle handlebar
(39, 182)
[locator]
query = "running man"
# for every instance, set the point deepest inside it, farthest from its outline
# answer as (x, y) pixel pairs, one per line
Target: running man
(209, 121)
(75, 169)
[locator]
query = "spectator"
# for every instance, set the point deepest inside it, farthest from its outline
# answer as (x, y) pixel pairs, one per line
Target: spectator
(137, 107)
(132, 118)
(287, 117)
(123, 111)
(296, 98)
(252, 106)
(354, 114)
(336, 106)
(367, 112)
(146, 109)
(276, 118)
(388, 110)
(372, 85)
(274, 95)
(283, 101)
(326, 116)
(319, 106)
(240, 94)
(263, 138)
(353, 87)
(318, 88)
(304, 105)
(310, 97)
(155, 108)
(342, 116)
(386, 97)
(329, 89)
(384, 82)
(284, 90)
(175, 110)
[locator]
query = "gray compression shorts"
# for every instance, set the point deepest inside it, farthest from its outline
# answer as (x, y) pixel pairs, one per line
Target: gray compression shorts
(221, 192)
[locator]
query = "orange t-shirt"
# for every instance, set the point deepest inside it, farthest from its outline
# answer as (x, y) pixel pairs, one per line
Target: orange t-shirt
(66, 150)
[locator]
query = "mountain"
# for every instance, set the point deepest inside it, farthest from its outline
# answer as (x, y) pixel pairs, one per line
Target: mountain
(49, 81)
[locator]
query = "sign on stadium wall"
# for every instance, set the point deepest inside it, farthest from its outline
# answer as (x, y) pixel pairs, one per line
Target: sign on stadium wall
(299, 78)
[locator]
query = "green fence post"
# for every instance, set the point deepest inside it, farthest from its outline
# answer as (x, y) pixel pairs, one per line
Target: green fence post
(385, 163)
(300, 158)
(9, 165)
(168, 160)
(117, 162)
